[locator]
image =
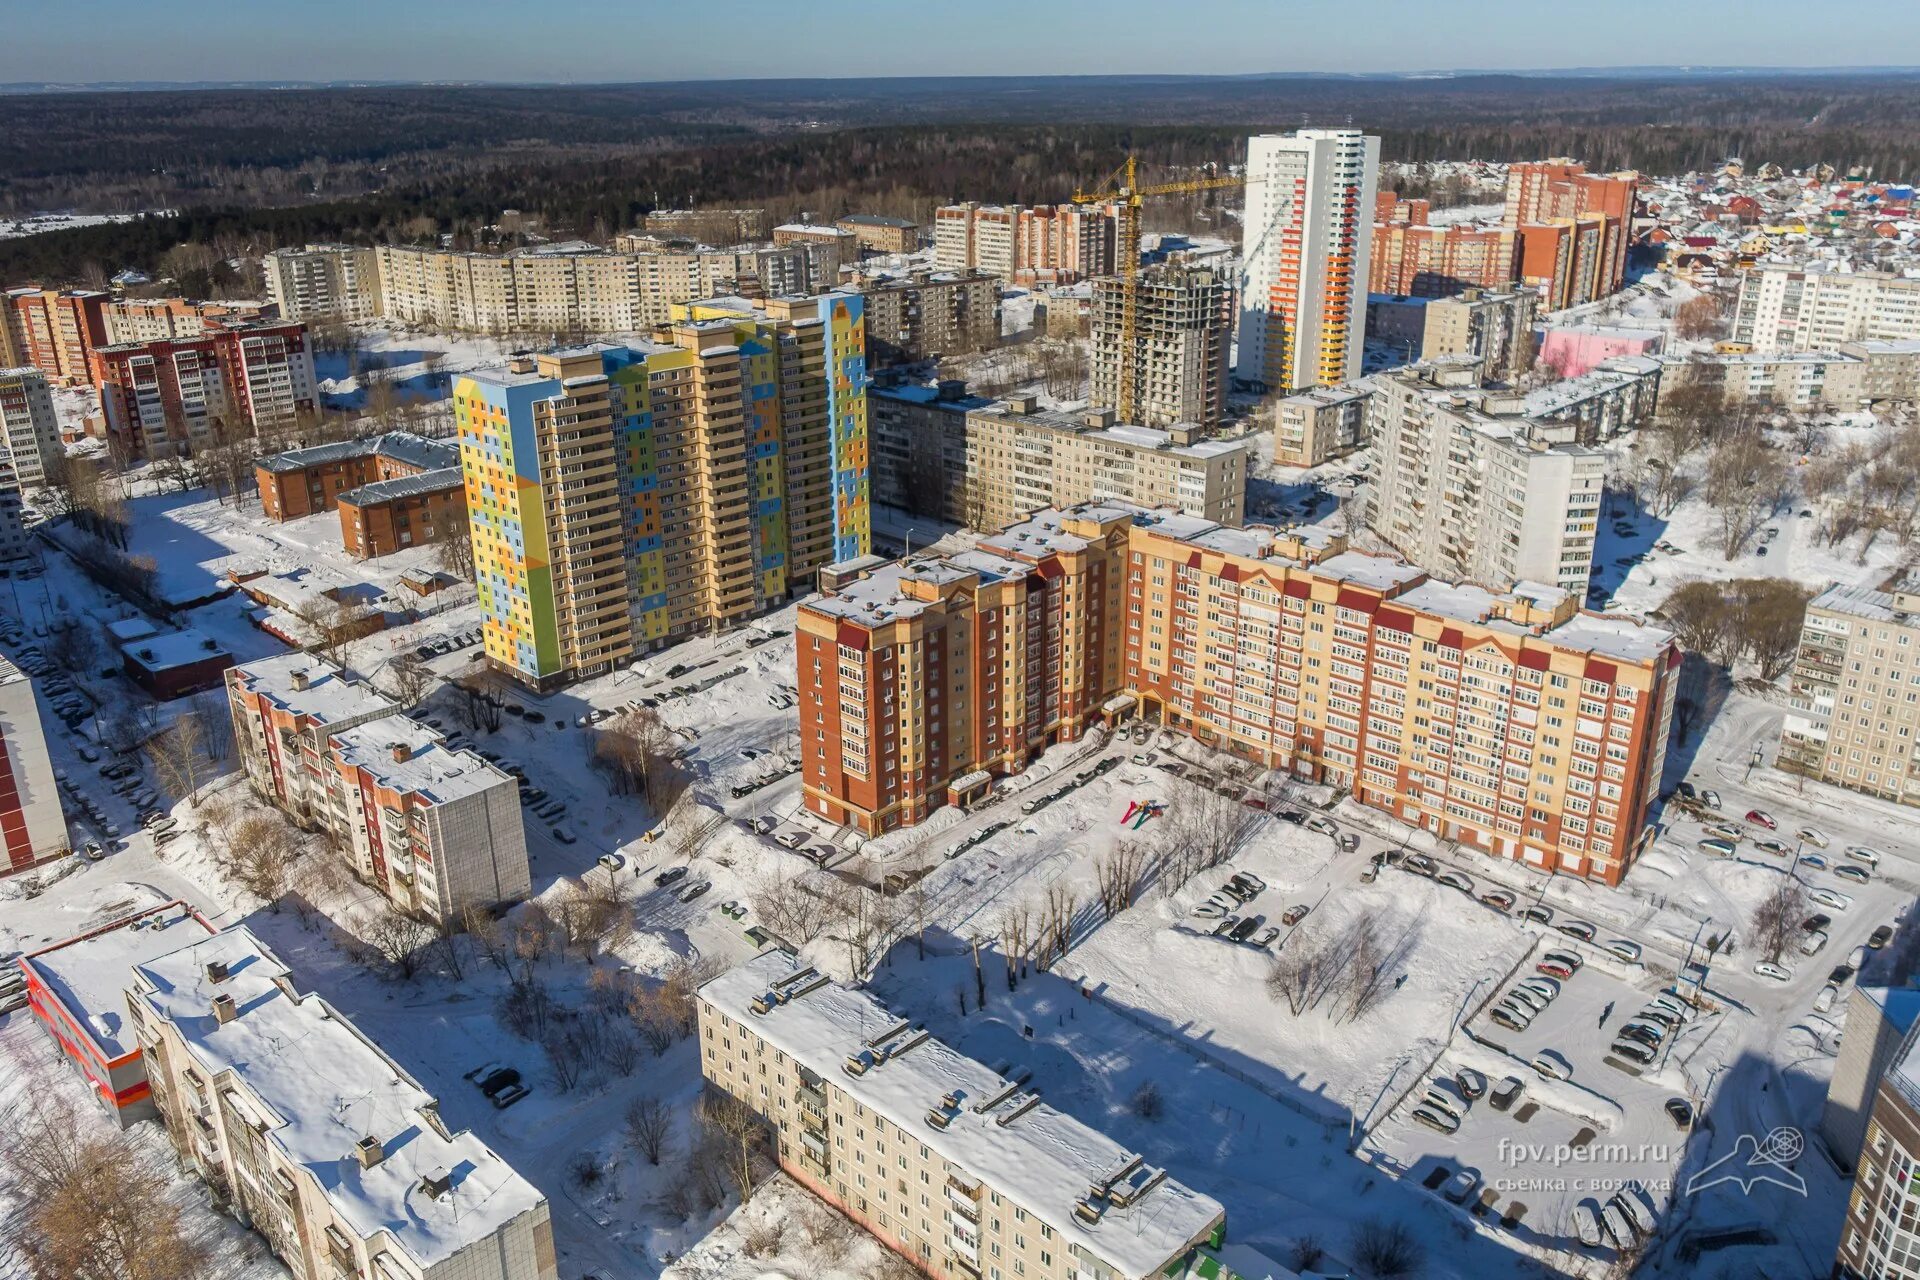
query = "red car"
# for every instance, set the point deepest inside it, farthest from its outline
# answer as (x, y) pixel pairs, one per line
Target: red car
(1761, 819)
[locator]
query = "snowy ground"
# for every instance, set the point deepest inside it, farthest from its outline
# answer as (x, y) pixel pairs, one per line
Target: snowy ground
(41, 223)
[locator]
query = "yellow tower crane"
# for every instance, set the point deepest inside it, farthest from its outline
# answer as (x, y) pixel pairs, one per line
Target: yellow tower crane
(1122, 189)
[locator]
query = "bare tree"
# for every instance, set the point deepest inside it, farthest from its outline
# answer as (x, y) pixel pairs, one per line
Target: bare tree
(648, 1126)
(333, 625)
(399, 939)
(409, 678)
(454, 549)
(1120, 872)
(1745, 479)
(742, 1135)
(259, 852)
(179, 759)
(1056, 915)
(798, 906)
(636, 748)
(1777, 917)
(74, 646)
(486, 934)
(1386, 1248)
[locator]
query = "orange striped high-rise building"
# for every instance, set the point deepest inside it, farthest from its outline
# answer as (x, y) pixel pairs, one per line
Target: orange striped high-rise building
(1308, 242)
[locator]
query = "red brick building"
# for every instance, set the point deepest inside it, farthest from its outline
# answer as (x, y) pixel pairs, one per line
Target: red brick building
(392, 491)
(1412, 259)
(77, 991)
(174, 394)
(406, 511)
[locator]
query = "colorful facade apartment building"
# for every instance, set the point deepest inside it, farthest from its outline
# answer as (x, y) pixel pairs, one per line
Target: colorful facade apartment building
(957, 1166)
(622, 498)
(77, 991)
(315, 1137)
(33, 827)
(1511, 721)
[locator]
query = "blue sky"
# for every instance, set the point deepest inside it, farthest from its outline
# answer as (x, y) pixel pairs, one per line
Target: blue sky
(717, 39)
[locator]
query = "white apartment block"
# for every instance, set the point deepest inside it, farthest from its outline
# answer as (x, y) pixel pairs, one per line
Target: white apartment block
(1468, 486)
(1050, 244)
(15, 542)
(1312, 426)
(33, 827)
(1307, 243)
(961, 1169)
(1855, 691)
(284, 710)
(436, 830)
(1021, 459)
(324, 282)
(29, 430)
(313, 1136)
(1817, 307)
(1855, 375)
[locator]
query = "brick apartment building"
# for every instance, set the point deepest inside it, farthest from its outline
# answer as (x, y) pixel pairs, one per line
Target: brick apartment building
(958, 1167)
(433, 829)
(876, 234)
(314, 1136)
(1035, 245)
(33, 827)
(392, 491)
(928, 313)
(1413, 259)
(154, 319)
(56, 330)
(77, 989)
(1512, 722)
(180, 394)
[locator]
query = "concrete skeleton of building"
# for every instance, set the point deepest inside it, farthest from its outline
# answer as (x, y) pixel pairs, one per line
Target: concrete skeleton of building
(1035, 245)
(29, 428)
(392, 491)
(924, 314)
(623, 497)
(1306, 251)
(1855, 691)
(1183, 329)
(1510, 721)
(313, 1136)
(569, 288)
(959, 1168)
(33, 827)
(179, 395)
(985, 464)
(1468, 484)
(433, 829)
(1818, 306)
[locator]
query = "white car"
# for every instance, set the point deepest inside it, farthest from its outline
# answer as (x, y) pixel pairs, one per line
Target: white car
(1628, 951)
(1551, 1065)
(1637, 1210)
(1586, 1226)
(1861, 853)
(1774, 972)
(1541, 984)
(1828, 898)
(1813, 836)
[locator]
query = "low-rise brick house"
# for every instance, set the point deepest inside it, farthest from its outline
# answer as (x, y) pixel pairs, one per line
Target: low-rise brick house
(386, 516)
(301, 482)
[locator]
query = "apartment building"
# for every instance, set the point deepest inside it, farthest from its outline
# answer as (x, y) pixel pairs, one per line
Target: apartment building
(1560, 193)
(15, 542)
(709, 226)
(1035, 245)
(1410, 258)
(837, 243)
(301, 482)
(1182, 329)
(1566, 260)
(33, 827)
(284, 709)
(77, 991)
(1494, 325)
(157, 319)
(1854, 716)
(876, 234)
(268, 370)
(1877, 1238)
(928, 313)
(1819, 306)
(621, 498)
(337, 282)
(56, 330)
(920, 446)
(1467, 485)
(1508, 721)
(956, 1166)
(1878, 1020)
(178, 395)
(386, 516)
(1311, 427)
(1307, 249)
(312, 1135)
(1021, 458)
(29, 429)
(435, 830)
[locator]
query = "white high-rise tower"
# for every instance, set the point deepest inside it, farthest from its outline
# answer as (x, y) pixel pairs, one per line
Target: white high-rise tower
(1303, 313)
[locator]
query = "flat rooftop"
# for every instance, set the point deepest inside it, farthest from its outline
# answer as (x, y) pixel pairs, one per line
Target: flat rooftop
(163, 651)
(431, 769)
(328, 1087)
(89, 973)
(328, 697)
(1042, 1159)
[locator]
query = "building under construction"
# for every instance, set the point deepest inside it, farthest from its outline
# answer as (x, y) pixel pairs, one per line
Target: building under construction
(1182, 329)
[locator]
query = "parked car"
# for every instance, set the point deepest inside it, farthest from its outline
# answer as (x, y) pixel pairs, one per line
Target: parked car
(1859, 875)
(563, 835)
(1530, 998)
(1880, 937)
(1828, 898)
(1420, 864)
(1471, 1083)
(1454, 880)
(1295, 914)
(672, 875)
(1436, 1120)
(1862, 853)
(1545, 986)
(1628, 1198)
(1824, 1001)
(1811, 943)
(1773, 972)
(612, 862)
(1559, 964)
(1210, 910)
(1625, 950)
(1461, 1186)
(1680, 1111)
(1717, 847)
(1551, 1065)
(1816, 921)
(1576, 929)
(694, 890)
(1813, 836)
(1498, 899)
(1506, 1093)
(1643, 1030)
(1267, 936)
(508, 1096)
(1773, 847)
(1244, 930)
(1761, 818)
(1711, 799)
(1726, 831)
(791, 839)
(1586, 1226)
(92, 851)
(1512, 1017)
(497, 1079)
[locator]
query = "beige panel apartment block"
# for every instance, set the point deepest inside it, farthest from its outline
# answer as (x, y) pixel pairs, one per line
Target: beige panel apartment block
(1855, 691)
(1314, 426)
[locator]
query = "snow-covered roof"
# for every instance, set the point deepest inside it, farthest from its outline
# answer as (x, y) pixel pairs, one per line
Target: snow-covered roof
(418, 485)
(163, 652)
(327, 1087)
(88, 973)
(1612, 636)
(401, 446)
(328, 697)
(1042, 1159)
(430, 770)
(130, 629)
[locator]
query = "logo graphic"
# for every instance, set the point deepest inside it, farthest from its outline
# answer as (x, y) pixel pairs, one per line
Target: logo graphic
(1756, 1160)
